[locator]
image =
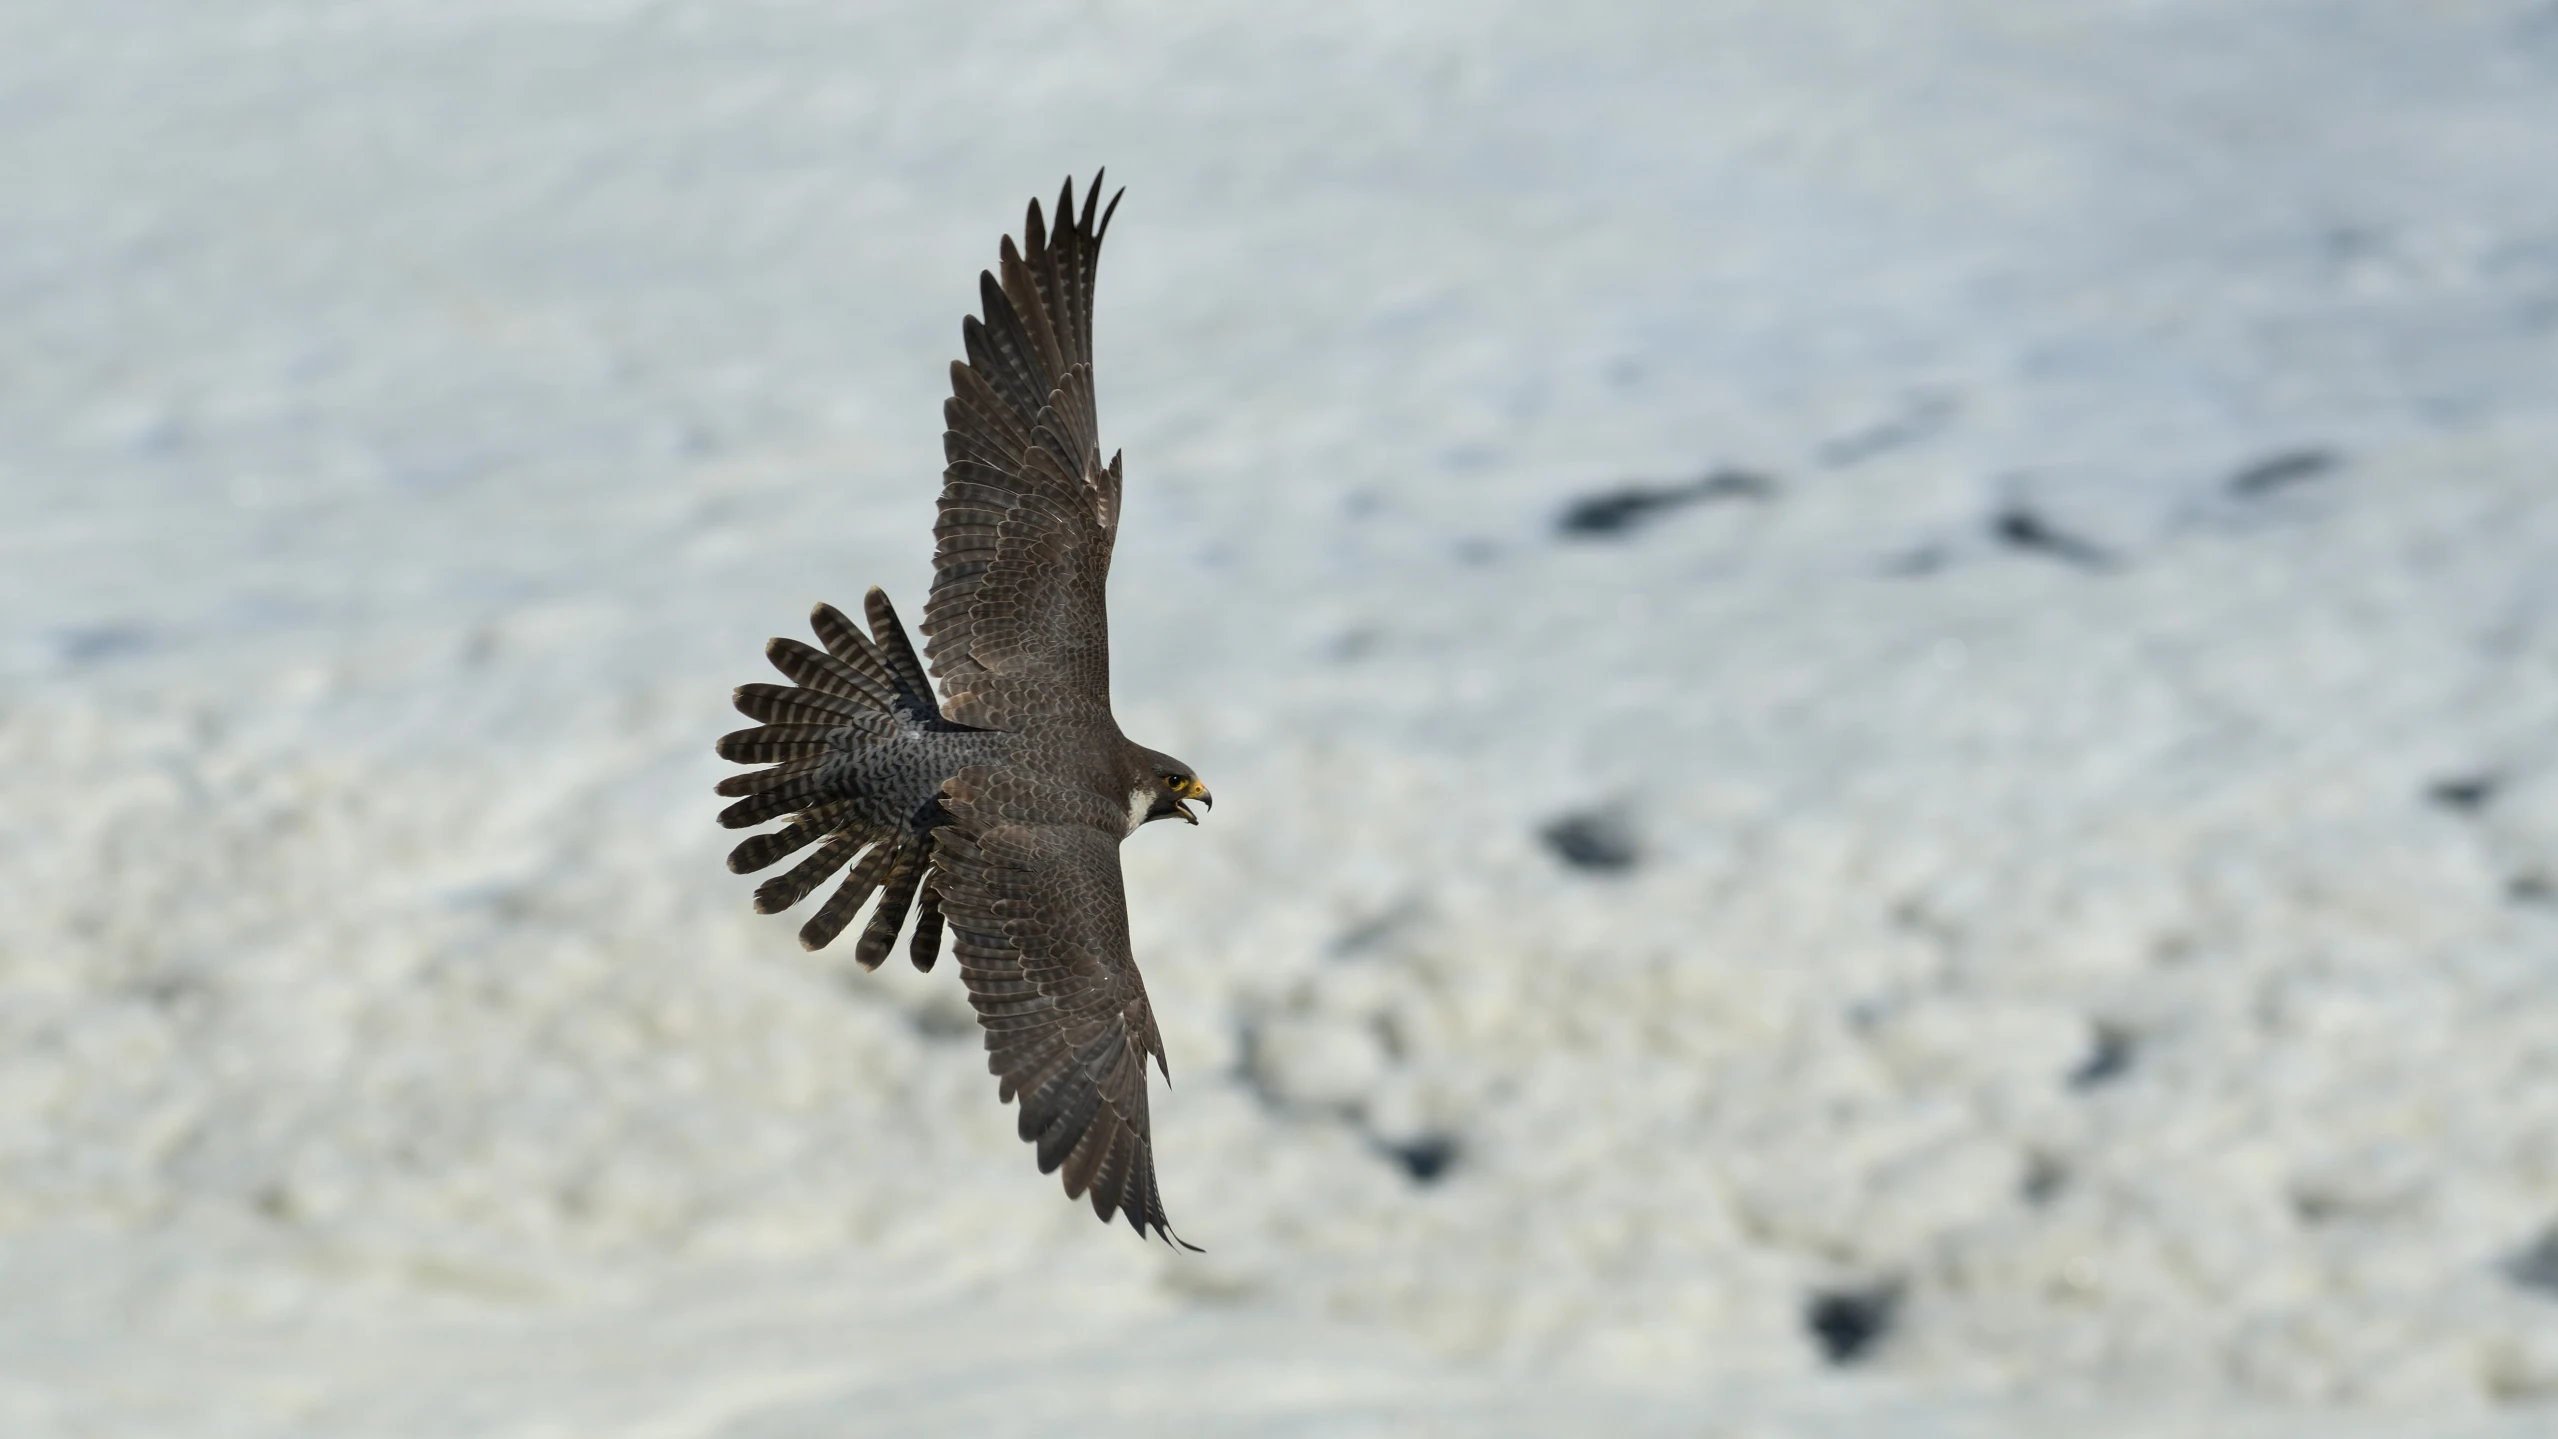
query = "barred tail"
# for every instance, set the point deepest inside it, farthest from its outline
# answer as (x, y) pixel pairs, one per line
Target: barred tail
(860, 688)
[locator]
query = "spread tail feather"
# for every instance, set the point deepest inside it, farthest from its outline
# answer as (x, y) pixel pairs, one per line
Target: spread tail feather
(860, 691)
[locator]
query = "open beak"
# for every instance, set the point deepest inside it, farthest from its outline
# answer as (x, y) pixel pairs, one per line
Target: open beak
(1199, 792)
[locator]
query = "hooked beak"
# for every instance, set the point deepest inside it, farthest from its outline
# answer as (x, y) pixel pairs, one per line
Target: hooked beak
(1196, 791)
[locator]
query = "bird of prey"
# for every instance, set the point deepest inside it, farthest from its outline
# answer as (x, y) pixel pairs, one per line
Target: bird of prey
(996, 810)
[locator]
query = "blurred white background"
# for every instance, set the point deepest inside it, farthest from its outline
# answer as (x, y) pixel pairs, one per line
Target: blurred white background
(2030, 906)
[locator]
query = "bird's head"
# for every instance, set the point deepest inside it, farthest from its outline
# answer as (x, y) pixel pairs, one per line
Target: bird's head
(1168, 785)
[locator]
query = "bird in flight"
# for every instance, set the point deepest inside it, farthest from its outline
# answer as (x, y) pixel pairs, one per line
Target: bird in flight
(995, 811)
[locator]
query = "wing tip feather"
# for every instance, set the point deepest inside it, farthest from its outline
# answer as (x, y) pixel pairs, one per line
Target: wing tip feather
(1107, 211)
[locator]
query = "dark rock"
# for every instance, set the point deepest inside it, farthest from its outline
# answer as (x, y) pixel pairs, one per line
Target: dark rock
(2108, 1059)
(94, 643)
(2281, 472)
(1425, 1158)
(944, 1021)
(1848, 1323)
(2465, 795)
(2535, 1265)
(2045, 1177)
(1599, 843)
(2021, 528)
(1908, 428)
(1623, 510)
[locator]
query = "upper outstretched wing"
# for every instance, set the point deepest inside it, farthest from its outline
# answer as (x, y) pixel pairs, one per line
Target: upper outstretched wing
(1016, 626)
(1040, 924)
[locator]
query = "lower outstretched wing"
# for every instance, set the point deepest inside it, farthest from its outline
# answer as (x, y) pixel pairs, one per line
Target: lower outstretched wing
(1039, 922)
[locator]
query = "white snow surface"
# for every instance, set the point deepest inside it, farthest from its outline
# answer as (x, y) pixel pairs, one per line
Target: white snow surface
(2096, 910)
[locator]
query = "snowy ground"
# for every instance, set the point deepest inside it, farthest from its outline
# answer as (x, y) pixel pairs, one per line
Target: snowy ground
(2068, 849)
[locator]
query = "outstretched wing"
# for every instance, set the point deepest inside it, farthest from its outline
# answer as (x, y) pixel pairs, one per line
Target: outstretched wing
(1015, 626)
(1040, 925)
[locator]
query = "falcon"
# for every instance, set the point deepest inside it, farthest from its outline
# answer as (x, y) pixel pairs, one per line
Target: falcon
(994, 811)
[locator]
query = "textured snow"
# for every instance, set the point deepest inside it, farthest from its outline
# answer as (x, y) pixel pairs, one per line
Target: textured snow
(2050, 866)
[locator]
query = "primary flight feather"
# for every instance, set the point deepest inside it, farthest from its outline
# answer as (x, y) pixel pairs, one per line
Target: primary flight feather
(995, 811)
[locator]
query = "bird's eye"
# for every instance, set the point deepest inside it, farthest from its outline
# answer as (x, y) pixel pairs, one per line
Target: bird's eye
(1176, 781)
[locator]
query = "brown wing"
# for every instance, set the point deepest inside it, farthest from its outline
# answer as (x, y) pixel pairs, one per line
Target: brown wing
(1040, 925)
(1015, 626)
